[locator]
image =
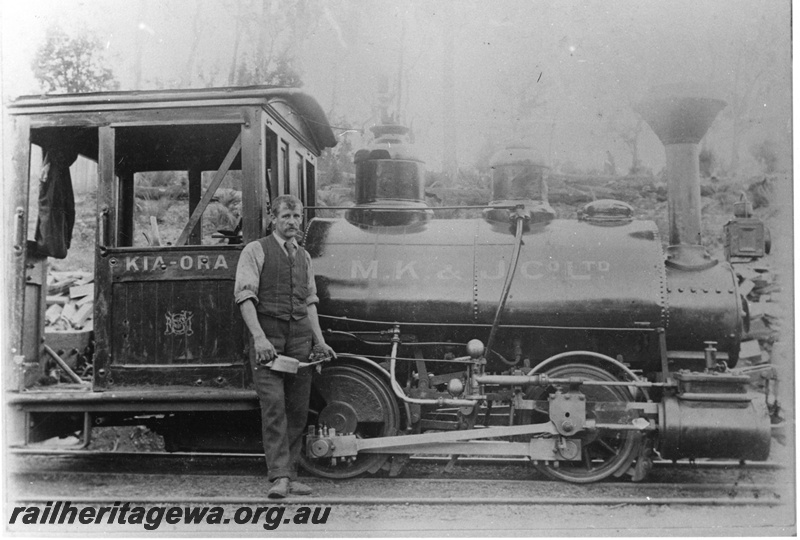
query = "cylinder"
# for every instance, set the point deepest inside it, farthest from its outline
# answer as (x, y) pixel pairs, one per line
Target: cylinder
(714, 428)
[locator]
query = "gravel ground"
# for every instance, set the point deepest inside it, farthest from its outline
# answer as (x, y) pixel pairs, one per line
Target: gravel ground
(245, 479)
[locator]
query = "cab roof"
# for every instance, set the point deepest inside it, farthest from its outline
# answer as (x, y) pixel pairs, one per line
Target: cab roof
(305, 105)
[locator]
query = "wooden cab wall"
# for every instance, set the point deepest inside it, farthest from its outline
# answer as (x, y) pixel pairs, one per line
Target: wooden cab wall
(164, 311)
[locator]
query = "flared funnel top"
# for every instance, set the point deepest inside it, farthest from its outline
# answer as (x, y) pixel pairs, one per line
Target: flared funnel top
(677, 115)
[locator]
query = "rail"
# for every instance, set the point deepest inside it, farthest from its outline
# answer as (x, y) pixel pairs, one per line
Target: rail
(465, 460)
(642, 500)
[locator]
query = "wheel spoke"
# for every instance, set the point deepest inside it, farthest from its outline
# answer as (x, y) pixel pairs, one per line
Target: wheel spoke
(607, 446)
(603, 453)
(587, 459)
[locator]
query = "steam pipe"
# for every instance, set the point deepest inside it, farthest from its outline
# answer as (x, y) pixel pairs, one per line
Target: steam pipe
(520, 219)
(398, 390)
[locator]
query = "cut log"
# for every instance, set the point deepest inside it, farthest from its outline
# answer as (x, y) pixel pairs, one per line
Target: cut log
(746, 287)
(53, 313)
(69, 311)
(83, 301)
(756, 310)
(81, 291)
(85, 277)
(750, 350)
(82, 315)
(56, 299)
(61, 286)
(759, 329)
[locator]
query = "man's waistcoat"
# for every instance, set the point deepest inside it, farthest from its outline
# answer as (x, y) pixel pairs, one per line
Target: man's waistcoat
(282, 289)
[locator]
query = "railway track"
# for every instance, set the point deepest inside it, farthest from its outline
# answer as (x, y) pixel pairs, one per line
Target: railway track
(200, 482)
(481, 496)
(371, 492)
(406, 501)
(488, 461)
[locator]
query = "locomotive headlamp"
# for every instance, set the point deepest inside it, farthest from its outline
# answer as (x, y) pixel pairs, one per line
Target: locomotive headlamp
(745, 235)
(475, 348)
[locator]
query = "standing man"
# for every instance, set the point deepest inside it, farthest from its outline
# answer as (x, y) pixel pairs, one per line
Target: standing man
(277, 296)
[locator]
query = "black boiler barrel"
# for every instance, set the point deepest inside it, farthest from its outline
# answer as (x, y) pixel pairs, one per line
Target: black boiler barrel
(570, 273)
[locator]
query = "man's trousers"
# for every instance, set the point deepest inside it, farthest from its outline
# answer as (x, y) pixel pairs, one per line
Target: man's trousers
(284, 396)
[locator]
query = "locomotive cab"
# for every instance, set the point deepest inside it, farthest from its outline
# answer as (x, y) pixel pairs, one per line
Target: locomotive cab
(158, 324)
(518, 179)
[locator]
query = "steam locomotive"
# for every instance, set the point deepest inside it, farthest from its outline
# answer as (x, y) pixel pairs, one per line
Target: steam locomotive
(587, 348)
(576, 343)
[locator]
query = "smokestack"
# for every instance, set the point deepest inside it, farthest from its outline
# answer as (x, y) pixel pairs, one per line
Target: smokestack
(681, 118)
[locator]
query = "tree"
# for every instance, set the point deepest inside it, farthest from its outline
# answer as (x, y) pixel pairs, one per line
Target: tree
(757, 72)
(197, 36)
(278, 71)
(336, 165)
(72, 64)
(267, 36)
(627, 127)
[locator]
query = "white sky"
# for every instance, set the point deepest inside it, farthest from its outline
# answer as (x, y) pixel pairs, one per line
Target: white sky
(586, 57)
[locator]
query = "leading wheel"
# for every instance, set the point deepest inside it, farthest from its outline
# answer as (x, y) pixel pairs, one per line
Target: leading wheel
(604, 452)
(351, 399)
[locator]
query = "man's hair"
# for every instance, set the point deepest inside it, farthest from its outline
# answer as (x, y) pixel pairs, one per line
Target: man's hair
(290, 201)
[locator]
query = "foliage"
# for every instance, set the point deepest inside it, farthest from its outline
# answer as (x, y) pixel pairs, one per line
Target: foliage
(162, 178)
(72, 64)
(708, 162)
(335, 165)
(268, 38)
(766, 154)
(754, 70)
(485, 153)
(761, 191)
(278, 71)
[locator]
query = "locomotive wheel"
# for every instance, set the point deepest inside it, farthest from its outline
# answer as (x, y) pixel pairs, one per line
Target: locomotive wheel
(351, 400)
(604, 452)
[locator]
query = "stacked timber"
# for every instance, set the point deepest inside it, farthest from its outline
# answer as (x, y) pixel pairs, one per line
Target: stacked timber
(70, 301)
(761, 288)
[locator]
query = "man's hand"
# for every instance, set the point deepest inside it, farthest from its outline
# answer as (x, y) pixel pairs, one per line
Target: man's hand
(322, 351)
(329, 352)
(265, 352)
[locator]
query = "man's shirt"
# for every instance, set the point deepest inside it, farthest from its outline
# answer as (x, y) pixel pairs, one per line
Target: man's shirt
(248, 272)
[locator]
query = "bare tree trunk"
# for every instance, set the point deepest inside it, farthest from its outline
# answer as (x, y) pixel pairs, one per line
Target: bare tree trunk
(334, 96)
(261, 43)
(236, 41)
(449, 131)
(186, 78)
(735, 137)
(399, 90)
(138, 46)
(635, 166)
